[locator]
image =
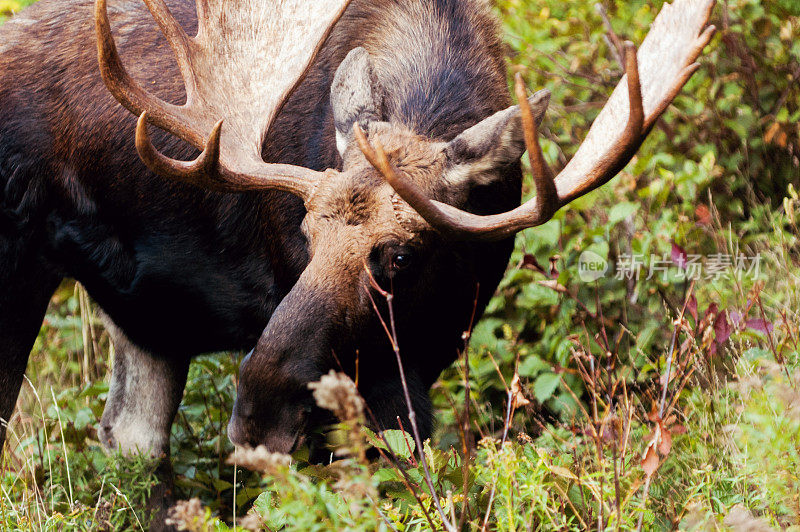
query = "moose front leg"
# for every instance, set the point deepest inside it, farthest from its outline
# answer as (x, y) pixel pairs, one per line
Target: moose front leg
(143, 398)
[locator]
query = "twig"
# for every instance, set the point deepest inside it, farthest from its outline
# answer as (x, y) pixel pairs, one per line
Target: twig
(392, 456)
(64, 447)
(507, 423)
(644, 503)
(465, 421)
(509, 410)
(412, 415)
(785, 94)
(615, 45)
(672, 342)
(778, 357)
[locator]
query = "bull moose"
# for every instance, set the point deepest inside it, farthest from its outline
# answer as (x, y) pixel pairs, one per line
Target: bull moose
(329, 142)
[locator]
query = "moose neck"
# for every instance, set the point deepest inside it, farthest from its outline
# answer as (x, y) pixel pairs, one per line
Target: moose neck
(439, 63)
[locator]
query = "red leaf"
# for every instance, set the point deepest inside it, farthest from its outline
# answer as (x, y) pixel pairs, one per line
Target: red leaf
(760, 325)
(665, 444)
(711, 310)
(678, 256)
(703, 214)
(529, 262)
(650, 460)
(736, 318)
(722, 328)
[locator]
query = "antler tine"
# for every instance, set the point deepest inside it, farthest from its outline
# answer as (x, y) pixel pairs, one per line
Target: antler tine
(546, 194)
(412, 194)
(623, 148)
(207, 172)
(203, 171)
(244, 63)
(635, 104)
(446, 219)
(701, 42)
(635, 124)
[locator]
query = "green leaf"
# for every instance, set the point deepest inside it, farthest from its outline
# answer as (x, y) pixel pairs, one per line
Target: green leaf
(387, 474)
(620, 211)
(94, 389)
(532, 365)
(400, 442)
(545, 385)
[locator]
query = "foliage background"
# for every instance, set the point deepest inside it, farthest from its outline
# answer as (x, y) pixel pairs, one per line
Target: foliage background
(716, 176)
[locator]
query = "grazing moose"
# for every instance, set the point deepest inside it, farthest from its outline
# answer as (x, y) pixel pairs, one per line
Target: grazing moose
(407, 98)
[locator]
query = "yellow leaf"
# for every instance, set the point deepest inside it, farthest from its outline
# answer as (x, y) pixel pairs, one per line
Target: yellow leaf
(563, 472)
(771, 131)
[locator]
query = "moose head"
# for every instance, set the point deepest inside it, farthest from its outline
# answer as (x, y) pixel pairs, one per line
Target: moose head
(400, 203)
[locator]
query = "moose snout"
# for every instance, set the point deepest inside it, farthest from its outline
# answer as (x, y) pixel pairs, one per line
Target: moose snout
(236, 432)
(241, 432)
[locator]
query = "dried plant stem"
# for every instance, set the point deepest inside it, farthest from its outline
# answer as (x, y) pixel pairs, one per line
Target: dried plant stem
(392, 457)
(412, 415)
(778, 356)
(64, 447)
(465, 420)
(465, 438)
(407, 482)
(617, 489)
(644, 503)
(615, 44)
(509, 413)
(672, 342)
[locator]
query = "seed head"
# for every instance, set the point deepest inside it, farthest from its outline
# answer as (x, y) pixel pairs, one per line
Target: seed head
(187, 515)
(259, 459)
(337, 392)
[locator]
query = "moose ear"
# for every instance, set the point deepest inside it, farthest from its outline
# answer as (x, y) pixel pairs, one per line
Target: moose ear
(353, 96)
(494, 142)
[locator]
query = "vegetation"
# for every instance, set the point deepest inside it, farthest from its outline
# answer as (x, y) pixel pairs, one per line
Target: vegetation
(664, 400)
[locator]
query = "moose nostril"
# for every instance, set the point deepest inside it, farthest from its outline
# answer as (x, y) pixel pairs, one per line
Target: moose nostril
(236, 432)
(282, 443)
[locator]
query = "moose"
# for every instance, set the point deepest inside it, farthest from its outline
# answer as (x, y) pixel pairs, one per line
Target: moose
(321, 148)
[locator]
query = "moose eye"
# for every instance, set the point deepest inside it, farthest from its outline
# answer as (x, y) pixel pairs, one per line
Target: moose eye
(401, 260)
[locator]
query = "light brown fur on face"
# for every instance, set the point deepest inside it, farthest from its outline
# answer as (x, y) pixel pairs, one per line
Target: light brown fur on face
(352, 213)
(359, 195)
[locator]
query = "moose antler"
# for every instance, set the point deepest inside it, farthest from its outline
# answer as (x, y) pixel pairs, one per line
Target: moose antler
(247, 58)
(668, 54)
